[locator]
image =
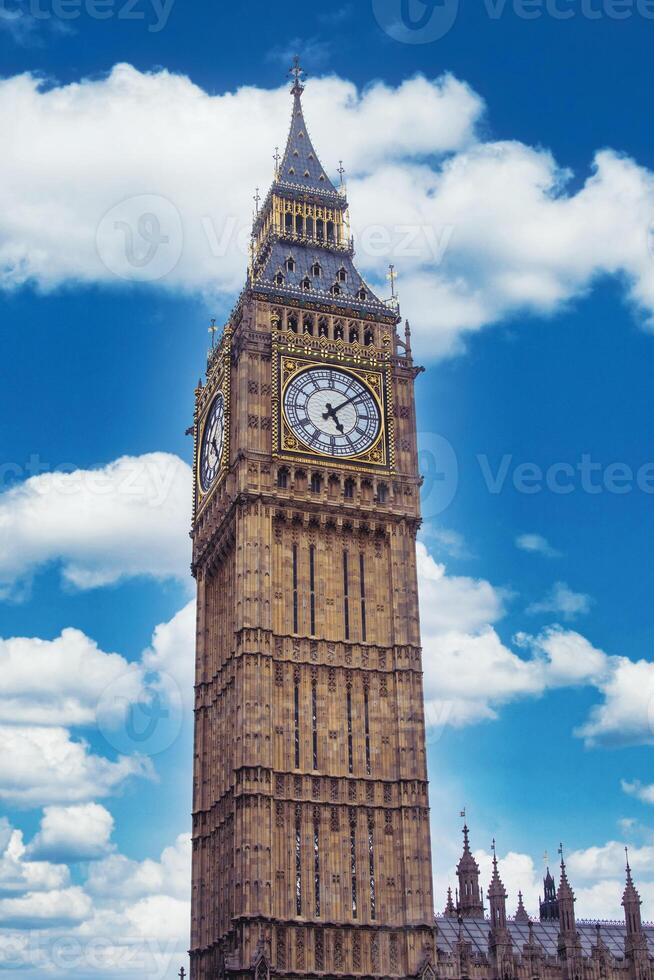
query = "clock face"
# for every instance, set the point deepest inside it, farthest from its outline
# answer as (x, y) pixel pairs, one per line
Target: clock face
(213, 441)
(332, 412)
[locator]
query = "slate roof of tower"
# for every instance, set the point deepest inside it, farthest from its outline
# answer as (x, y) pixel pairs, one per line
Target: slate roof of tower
(546, 934)
(300, 164)
(305, 257)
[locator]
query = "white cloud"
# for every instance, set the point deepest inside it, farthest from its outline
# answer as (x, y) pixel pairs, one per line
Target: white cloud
(644, 793)
(561, 600)
(536, 544)
(482, 230)
(172, 652)
(73, 833)
(44, 765)
(19, 873)
(117, 877)
(129, 518)
(59, 682)
(34, 910)
(455, 602)
(626, 716)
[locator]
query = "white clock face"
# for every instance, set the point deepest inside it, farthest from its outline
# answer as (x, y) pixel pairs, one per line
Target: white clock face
(213, 442)
(332, 412)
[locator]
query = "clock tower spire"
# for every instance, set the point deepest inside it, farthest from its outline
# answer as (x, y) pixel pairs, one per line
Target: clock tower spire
(311, 848)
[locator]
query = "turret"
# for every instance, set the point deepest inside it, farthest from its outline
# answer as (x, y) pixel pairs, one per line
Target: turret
(570, 952)
(635, 943)
(549, 907)
(500, 946)
(470, 904)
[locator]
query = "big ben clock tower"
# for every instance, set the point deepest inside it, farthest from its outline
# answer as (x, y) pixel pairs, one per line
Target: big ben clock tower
(311, 849)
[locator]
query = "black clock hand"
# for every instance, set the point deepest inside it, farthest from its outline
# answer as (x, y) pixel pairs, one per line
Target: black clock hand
(331, 414)
(350, 401)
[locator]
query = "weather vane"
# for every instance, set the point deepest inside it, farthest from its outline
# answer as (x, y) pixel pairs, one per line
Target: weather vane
(212, 330)
(257, 200)
(277, 160)
(392, 278)
(341, 170)
(299, 74)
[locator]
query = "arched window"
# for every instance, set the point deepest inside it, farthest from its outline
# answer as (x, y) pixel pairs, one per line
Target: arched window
(320, 230)
(299, 225)
(282, 479)
(290, 264)
(288, 222)
(363, 294)
(292, 323)
(306, 283)
(316, 483)
(279, 278)
(341, 275)
(316, 270)
(307, 325)
(369, 338)
(338, 330)
(336, 289)
(309, 230)
(323, 327)
(382, 493)
(348, 489)
(354, 335)
(330, 231)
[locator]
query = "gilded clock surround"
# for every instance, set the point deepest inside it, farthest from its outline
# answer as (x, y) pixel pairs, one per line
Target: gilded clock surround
(218, 382)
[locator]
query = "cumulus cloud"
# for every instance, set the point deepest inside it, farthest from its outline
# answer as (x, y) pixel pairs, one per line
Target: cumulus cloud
(35, 910)
(536, 544)
(60, 681)
(127, 519)
(19, 872)
(470, 672)
(562, 601)
(45, 765)
(481, 230)
(117, 877)
(172, 652)
(644, 793)
(73, 833)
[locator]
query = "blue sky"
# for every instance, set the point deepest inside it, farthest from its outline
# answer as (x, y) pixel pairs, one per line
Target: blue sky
(537, 604)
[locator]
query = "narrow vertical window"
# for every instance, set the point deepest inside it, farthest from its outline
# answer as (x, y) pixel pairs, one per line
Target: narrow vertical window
(362, 576)
(371, 860)
(314, 722)
(312, 587)
(316, 861)
(298, 860)
(353, 862)
(295, 596)
(350, 751)
(346, 595)
(296, 709)
(366, 717)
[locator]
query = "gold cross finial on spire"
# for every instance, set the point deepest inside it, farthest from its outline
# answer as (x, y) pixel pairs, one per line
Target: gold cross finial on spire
(341, 170)
(182, 974)
(212, 330)
(257, 200)
(277, 160)
(299, 74)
